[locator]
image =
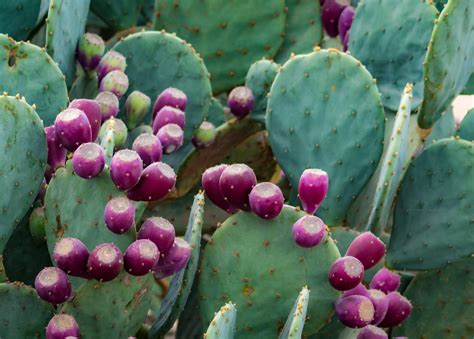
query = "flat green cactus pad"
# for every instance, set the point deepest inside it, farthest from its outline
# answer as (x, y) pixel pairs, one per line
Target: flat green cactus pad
(158, 60)
(84, 87)
(315, 102)
(65, 25)
(294, 324)
(117, 14)
(433, 214)
(445, 127)
(28, 70)
(216, 114)
(466, 130)
(393, 48)
(22, 161)
(448, 63)
(442, 303)
(22, 313)
(223, 324)
(255, 263)
(18, 18)
(229, 34)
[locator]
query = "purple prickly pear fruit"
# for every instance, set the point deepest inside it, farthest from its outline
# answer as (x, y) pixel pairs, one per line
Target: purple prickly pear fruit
(148, 147)
(136, 108)
(170, 97)
(105, 262)
(168, 115)
(53, 285)
(171, 137)
(119, 215)
(56, 153)
(37, 222)
(308, 231)
(240, 101)
(330, 14)
(140, 257)
(399, 308)
(125, 169)
(346, 273)
(345, 41)
(71, 255)
(236, 183)
(89, 51)
(380, 302)
(205, 135)
(91, 108)
(156, 181)
(321, 2)
(385, 281)
(88, 160)
(358, 290)
(160, 231)
(367, 248)
(109, 105)
(312, 189)
(119, 130)
(111, 61)
(62, 326)
(266, 200)
(354, 311)
(173, 261)
(210, 184)
(115, 82)
(372, 332)
(345, 21)
(73, 128)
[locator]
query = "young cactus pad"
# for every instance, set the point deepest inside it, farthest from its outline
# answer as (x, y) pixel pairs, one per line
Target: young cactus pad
(223, 324)
(294, 324)
(256, 263)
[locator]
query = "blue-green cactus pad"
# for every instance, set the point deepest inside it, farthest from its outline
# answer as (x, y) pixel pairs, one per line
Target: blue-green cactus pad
(84, 87)
(65, 25)
(390, 38)
(317, 101)
(229, 35)
(28, 70)
(445, 127)
(448, 63)
(158, 60)
(295, 322)
(216, 114)
(433, 215)
(256, 264)
(118, 14)
(223, 324)
(22, 162)
(18, 18)
(466, 130)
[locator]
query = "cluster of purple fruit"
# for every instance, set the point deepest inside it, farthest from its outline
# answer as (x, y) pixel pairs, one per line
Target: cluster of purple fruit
(380, 306)
(337, 16)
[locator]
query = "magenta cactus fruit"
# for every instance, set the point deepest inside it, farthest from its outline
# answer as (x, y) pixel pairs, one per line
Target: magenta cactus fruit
(168, 115)
(210, 184)
(160, 231)
(358, 290)
(62, 326)
(312, 189)
(111, 61)
(266, 200)
(385, 281)
(345, 41)
(156, 181)
(172, 97)
(345, 21)
(73, 128)
(399, 308)
(148, 147)
(137, 106)
(88, 160)
(71, 255)
(240, 101)
(140, 257)
(56, 153)
(109, 105)
(173, 261)
(372, 332)
(105, 262)
(119, 215)
(205, 135)
(380, 302)
(53, 285)
(125, 169)
(346, 273)
(367, 248)
(308, 231)
(236, 182)
(330, 14)
(115, 82)
(91, 108)
(171, 137)
(89, 52)
(354, 311)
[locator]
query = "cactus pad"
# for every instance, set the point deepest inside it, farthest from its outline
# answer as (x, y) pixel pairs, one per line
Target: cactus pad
(315, 102)
(84, 87)
(223, 324)
(466, 130)
(294, 324)
(22, 162)
(249, 261)
(229, 35)
(216, 114)
(445, 127)
(433, 215)
(393, 49)
(117, 14)
(18, 18)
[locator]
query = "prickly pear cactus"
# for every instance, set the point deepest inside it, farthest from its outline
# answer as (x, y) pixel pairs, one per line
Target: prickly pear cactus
(466, 130)
(223, 324)
(294, 324)
(18, 18)
(117, 14)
